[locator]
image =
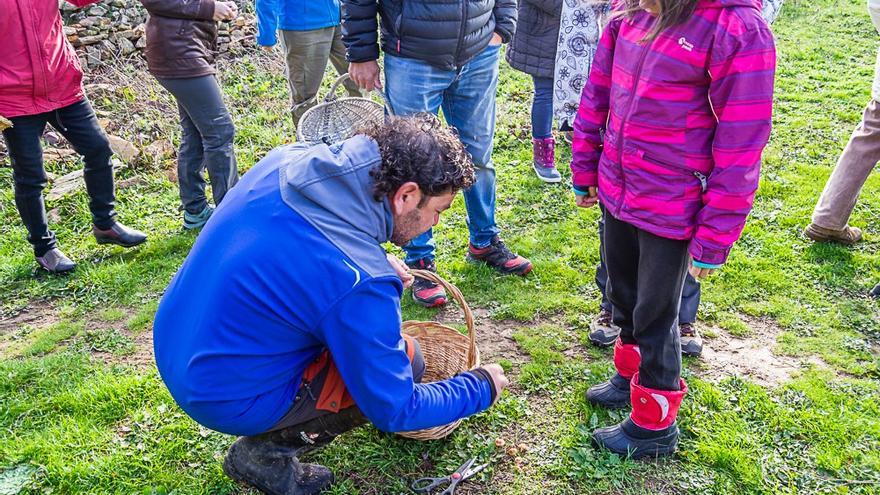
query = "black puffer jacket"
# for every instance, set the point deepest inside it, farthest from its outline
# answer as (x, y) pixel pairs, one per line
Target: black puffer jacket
(533, 49)
(444, 33)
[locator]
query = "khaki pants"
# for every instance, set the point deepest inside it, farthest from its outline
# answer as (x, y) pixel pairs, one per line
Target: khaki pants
(306, 54)
(855, 164)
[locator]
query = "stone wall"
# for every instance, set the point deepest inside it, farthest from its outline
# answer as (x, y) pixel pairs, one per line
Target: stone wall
(114, 29)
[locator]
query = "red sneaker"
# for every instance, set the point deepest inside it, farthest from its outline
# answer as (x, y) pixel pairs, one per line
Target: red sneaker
(425, 292)
(500, 258)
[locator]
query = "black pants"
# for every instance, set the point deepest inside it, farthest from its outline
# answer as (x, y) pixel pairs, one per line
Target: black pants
(645, 278)
(79, 125)
(305, 404)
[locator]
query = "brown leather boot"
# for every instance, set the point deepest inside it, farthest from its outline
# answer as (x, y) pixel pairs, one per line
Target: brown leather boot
(847, 235)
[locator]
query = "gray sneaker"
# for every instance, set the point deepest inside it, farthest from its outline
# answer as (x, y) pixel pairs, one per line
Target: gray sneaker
(192, 221)
(691, 342)
(54, 261)
(604, 332)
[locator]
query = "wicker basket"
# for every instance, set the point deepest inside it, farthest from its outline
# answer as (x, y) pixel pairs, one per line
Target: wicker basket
(4, 123)
(447, 352)
(337, 119)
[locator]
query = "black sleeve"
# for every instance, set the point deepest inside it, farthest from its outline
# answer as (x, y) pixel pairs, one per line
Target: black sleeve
(505, 18)
(551, 7)
(360, 30)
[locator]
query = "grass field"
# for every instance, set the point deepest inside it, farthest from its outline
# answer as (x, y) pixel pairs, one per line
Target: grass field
(786, 401)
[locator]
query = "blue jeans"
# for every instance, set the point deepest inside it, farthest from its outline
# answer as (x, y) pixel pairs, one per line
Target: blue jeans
(467, 97)
(206, 141)
(77, 123)
(690, 294)
(542, 108)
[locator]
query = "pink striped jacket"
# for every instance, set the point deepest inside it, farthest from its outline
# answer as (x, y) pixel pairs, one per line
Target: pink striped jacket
(672, 130)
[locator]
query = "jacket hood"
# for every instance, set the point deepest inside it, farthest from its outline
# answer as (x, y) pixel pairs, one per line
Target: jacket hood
(331, 187)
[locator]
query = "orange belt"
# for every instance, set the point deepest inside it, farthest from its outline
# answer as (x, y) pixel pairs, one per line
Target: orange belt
(334, 396)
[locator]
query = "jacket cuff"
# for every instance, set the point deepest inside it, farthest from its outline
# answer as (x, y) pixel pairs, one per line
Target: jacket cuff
(580, 191)
(505, 36)
(362, 53)
(485, 376)
(707, 255)
(206, 10)
(267, 37)
(707, 266)
(584, 180)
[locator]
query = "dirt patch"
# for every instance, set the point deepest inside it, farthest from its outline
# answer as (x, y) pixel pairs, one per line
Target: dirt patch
(142, 357)
(37, 315)
(494, 337)
(752, 356)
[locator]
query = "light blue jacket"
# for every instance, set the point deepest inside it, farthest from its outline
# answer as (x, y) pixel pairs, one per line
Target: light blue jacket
(293, 15)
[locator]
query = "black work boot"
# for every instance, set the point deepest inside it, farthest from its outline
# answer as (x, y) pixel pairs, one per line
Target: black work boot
(628, 438)
(613, 394)
(318, 432)
(273, 468)
(270, 461)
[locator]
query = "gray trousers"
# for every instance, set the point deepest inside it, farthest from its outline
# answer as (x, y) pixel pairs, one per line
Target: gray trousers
(306, 54)
(205, 143)
(860, 156)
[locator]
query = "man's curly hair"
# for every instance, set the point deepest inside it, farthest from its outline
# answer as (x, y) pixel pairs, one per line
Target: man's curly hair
(419, 149)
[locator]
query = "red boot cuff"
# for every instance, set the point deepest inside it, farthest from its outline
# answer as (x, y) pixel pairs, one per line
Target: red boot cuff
(626, 358)
(655, 409)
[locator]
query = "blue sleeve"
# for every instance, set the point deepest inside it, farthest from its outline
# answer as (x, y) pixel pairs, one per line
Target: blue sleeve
(362, 331)
(267, 22)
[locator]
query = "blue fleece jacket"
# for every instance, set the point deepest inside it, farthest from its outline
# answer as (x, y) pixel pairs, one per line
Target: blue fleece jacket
(293, 15)
(290, 264)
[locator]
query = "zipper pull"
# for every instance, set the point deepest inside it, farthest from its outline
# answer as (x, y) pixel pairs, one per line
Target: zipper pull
(704, 183)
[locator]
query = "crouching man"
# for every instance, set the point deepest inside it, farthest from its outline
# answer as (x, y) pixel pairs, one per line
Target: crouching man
(283, 324)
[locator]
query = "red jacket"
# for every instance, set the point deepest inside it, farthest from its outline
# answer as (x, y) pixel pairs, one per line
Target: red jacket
(39, 70)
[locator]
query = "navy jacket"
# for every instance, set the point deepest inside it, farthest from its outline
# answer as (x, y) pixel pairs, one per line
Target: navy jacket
(444, 33)
(290, 264)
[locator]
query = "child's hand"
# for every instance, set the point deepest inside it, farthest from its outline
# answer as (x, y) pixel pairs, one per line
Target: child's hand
(587, 200)
(700, 273)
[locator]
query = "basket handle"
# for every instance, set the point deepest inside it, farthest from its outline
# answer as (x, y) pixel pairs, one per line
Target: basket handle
(468, 315)
(331, 95)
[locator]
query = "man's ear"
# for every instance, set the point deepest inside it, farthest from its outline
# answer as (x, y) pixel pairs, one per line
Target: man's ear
(406, 198)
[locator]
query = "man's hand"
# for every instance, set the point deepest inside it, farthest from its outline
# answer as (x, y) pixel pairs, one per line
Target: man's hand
(224, 11)
(267, 48)
(587, 200)
(365, 74)
(700, 273)
(496, 39)
(401, 269)
(501, 382)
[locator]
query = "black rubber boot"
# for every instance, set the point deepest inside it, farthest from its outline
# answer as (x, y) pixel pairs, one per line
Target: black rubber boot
(627, 438)
(613, 394)
(273, 468)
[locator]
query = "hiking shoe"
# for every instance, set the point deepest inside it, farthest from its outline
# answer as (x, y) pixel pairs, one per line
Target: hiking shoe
(630, 439)
(543, 160)
(846, 236)
(613, 394)
(273, 468)
(424, 292)
(604, 331)
(54, 261)
(192, 221)
(120, 235)
(500, 258)
(875, 292)
(691, 342)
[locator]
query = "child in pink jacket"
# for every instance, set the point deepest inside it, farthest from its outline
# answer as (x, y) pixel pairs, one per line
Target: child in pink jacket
(668, 137)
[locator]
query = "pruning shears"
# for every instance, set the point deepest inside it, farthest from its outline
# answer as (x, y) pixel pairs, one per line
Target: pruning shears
(465, 471)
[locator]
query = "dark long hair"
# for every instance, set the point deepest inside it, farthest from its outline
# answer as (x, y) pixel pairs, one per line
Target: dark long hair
(672, 13)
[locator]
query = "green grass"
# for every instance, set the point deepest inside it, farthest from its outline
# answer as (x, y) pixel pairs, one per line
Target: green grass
(87, 424)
